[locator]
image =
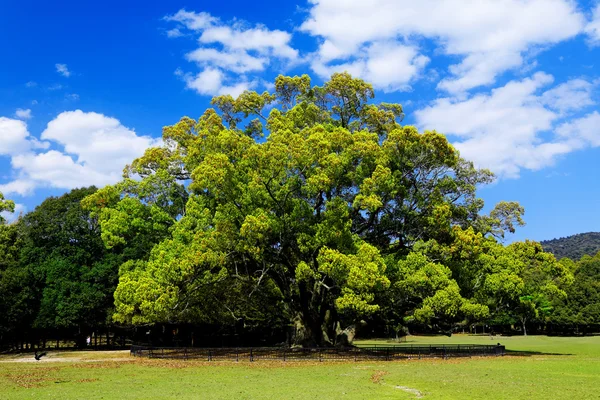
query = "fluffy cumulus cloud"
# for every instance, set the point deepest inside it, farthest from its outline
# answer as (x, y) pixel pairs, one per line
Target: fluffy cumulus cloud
(227, 53)
(88, 149)
(21, 186)
(211, 82)
(519, 125)
(388, 66)
(16, 138)
(488, 36)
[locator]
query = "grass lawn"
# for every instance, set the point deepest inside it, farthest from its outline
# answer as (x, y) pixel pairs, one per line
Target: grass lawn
(559, 368)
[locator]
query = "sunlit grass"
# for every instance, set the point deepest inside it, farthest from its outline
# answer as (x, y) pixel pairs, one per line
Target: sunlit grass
(573, 374)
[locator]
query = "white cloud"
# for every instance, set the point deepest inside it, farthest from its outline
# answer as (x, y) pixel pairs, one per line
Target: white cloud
(63, 70)
(592, 29)
(491, 36)
(22, 187)
(97, 141)
(95, 150)
(506, 130)
(228, 52)
(56, 169)
(31, 84)
(16, 138)
(571, 95)
(174, 33)
(211, 82)
(72, 96)
(23, 113)
(388, 66)
(192, 20)
(582, 132)
(235, 61)
(260, 39)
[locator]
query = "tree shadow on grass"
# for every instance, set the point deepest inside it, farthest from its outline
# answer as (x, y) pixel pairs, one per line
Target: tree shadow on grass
(527, 353)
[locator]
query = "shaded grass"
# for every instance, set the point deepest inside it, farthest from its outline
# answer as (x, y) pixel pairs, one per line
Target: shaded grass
(574, 374)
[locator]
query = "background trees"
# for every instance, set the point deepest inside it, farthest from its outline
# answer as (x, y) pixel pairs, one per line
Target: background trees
(580, 308)
(56, 272)
(575, 246)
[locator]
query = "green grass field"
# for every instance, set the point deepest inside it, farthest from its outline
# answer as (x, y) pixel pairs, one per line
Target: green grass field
(559, 368)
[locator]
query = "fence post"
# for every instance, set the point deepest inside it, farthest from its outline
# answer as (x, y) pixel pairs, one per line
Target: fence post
(320, 355)
(284, 355)
(237, 354)
(251, 356)
(209, 355)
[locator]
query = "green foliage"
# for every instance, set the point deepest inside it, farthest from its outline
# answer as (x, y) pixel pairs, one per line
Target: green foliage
(581, 306)
(56, 271)
(304, 219)
(5, 205)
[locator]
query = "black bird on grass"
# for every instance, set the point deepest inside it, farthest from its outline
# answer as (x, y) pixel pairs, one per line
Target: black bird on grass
(38, 356)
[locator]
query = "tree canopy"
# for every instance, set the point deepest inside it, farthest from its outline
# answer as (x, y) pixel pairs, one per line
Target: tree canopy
(311, 209)
(313, 197)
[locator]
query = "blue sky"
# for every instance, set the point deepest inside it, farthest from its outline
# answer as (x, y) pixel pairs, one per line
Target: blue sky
(86, 87)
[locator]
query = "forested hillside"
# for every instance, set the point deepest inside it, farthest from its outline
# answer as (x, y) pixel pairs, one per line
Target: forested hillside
(574, 247)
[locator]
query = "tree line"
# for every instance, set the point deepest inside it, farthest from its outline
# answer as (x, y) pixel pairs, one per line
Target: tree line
(575, 246)
(310, 209)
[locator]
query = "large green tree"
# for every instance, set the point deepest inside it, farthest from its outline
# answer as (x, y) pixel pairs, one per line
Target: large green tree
(301, 201)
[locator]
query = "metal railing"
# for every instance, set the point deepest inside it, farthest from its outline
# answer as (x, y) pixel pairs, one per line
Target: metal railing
(370, 353)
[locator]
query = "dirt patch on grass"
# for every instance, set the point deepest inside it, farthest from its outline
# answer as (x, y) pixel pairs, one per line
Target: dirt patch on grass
(100, 364)
(378, 376)
(68, 356)
(33, 378)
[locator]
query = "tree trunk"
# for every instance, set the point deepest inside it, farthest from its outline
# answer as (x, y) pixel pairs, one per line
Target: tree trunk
(524, 327)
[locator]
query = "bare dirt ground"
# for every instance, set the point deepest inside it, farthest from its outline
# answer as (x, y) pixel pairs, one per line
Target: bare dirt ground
(68, 356)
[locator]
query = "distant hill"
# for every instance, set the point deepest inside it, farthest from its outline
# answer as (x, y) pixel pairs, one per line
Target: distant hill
(574, 247)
